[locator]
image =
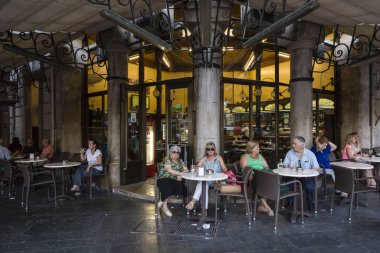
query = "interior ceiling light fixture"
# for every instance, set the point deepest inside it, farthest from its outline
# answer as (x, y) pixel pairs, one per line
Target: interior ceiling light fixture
(249, 62)
(166, 61)
(135, 29)
(276, 27)
(134, 57)
(285, 55)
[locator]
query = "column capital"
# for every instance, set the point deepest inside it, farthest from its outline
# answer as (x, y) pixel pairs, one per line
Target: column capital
(307, 35)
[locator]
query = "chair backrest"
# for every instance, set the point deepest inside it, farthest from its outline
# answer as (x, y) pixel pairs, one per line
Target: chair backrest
(344, 178)
(376, 151)
(267, 184)
(237, 167)
(75, 157)
(332, 157)
(6, 164)
(365, 150)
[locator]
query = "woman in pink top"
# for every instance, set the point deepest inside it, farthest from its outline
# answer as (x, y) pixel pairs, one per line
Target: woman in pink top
(351, 151)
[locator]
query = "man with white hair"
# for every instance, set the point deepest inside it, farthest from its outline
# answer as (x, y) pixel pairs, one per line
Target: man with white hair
(299, 156)
(5, 154)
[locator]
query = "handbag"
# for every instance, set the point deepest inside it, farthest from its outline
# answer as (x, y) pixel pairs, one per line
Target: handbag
(229, 188)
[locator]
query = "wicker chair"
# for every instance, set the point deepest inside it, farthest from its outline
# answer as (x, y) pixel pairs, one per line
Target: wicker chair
(48, 179)
(246, 193)
(7, 174)
(157, 194)
(325, 176)
(104, 173)
(268, 185)
(347, 181)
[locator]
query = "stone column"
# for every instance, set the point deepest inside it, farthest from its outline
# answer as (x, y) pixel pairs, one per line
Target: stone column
(301, 81)
(115, 45)
(207, 75)
(355, 102)
(67, 116)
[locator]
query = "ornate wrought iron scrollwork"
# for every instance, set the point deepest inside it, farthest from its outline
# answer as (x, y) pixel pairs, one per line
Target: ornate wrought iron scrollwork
(348, 45)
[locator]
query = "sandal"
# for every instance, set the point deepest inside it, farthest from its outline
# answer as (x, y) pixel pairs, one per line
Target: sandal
(190, 206)
(265, 210)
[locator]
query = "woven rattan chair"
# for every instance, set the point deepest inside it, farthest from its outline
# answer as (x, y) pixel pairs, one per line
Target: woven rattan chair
(44, 177)
(267, 185)
(346, 180)
(246, 193)
(6, 175)
(325, 176)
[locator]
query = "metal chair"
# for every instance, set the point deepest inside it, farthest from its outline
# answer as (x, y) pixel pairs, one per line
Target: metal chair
(49, 179)
(324, 179)
(104, 173)
(376, 151)
(268, 185)
(246, 193)
(346, 180)
(7, 174)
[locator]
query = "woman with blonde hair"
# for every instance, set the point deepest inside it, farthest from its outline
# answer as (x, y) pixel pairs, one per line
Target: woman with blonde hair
(255, 160)
(210, 160)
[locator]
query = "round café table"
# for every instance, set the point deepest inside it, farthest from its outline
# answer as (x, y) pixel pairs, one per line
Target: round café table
(305, 173)
(62, 166)
(375, 160)
(30, 162)
(207, 178)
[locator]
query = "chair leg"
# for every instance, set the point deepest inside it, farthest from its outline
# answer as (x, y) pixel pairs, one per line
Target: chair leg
(216, 207)
(254, 208)
(155, 198)
(90, 185)
(22, 195)
(325, 185)
(332, 200)
(276, 213)
(247, 208)
(55, 194)
(350, 209)
(27, 197)
(357, 201)
(225, 203)
(302, 217)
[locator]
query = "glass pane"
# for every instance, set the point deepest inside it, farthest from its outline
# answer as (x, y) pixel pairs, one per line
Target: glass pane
(133, 126)
(236, 121)
(179, 122)
(97, 118)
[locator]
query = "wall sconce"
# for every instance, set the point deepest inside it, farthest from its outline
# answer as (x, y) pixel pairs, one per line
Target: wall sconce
(242, 94)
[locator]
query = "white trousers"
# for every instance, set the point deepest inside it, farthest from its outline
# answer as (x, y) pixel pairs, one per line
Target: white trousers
(198, 191)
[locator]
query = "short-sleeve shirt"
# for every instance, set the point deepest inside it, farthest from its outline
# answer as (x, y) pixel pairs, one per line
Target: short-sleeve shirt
(322, 156)
(47, 152)
(91, 158)
(5, 154)
(308, 159)
(175, 166)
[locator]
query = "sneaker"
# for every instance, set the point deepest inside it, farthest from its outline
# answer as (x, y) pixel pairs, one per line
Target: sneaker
(344, 195)
(160, 203)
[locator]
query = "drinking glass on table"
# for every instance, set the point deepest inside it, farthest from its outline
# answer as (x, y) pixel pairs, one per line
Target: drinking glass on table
(370, 152)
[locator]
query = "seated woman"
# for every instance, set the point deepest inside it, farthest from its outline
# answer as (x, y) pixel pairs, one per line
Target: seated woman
(94, 163)
(352, 151)
(169, 178)
(255, 160)
(210, 160)
(322, 149)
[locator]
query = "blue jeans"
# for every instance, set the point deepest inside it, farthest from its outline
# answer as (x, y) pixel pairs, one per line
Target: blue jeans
(81, 172)
(308, 185)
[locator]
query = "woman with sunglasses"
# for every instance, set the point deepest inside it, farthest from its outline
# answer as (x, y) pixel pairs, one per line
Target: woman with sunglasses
(210, 160)
(169, 178)
(255, 160)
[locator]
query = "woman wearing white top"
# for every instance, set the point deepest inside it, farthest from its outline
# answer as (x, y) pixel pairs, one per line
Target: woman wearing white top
(94, 163)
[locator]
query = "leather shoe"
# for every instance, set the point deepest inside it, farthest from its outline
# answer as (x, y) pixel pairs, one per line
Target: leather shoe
(160, 203)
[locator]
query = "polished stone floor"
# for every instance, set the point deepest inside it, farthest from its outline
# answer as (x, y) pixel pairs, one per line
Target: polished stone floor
(104, 224)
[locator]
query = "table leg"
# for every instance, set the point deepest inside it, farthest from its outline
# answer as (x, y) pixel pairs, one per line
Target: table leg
(63, 195)
(295, 213)
(204, 210)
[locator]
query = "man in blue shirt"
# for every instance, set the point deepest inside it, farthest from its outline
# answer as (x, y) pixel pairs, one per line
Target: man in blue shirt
(299, 156)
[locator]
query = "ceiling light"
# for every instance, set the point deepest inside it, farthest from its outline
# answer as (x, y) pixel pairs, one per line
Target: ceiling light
(285, 55)
(188, 33)
(166, 61)
(135, 29)
(229, 32)
(249, 62)
(228, 49)
(277, 26)
(134, 57)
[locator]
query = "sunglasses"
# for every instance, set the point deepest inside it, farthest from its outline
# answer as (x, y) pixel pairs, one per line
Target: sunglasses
(176, 152)
(210, 149)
